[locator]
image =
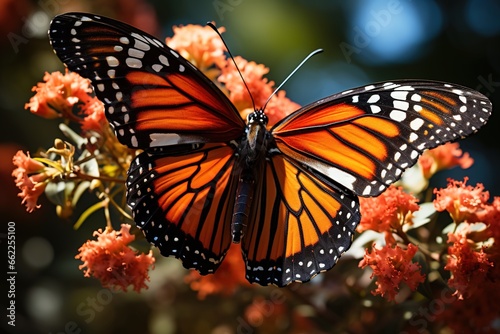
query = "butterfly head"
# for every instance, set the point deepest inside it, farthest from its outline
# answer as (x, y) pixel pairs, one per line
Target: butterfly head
(257, 117)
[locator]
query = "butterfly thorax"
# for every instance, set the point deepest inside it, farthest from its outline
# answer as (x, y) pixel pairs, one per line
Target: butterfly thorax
(251, 154)
(254, 145)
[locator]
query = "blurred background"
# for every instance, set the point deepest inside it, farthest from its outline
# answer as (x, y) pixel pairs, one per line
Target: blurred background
(454, 41)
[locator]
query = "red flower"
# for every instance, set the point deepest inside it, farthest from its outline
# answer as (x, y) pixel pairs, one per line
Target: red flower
(260, 88)
(387, 212)
(442, 157)
(113, 262)
(253, 74)
(31, 177)
(228, 277)
(392, 266)
(474, 264)
(469, 267)
(490, 215)
(57, 95)
(95, 119)
(200, 45)
(463, 202)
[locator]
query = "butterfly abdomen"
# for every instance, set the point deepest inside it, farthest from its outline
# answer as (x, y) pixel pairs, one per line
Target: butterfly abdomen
(242, 204)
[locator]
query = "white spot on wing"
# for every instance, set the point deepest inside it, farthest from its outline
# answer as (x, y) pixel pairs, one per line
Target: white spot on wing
(163, 60)
(345, 179)
(135, 53)
(133, 62)
(112, 61)
(141, 45)
(404, 88)
(164, 139)
(397, 115)
(374, 98)
(133, 141)
(399, 95)
(403, 105)
(367, 190)
(157, 67)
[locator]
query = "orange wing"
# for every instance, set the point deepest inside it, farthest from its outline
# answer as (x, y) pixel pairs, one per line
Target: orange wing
(182, 199)
(153, 97)
(364, 138)
(301, 224)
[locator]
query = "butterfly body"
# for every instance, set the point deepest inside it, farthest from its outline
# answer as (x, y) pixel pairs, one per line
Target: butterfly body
(207, 178)
(251, 155)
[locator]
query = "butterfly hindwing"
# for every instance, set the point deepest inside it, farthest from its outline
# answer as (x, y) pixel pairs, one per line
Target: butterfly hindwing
(153, 97)
(182, 199)
(366, 137)
(300, 226)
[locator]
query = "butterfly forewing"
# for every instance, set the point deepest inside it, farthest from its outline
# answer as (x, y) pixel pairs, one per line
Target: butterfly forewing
(153, 97)
(182, 199)
(366, 137)
(300, 226)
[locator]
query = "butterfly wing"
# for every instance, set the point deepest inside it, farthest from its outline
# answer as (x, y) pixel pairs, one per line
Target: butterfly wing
(153, 97)
(302, 222)
(364, 138)
(182, 199)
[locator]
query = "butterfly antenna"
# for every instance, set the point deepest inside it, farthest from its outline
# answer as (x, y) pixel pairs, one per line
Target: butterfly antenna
(315, 52)
(212, 25)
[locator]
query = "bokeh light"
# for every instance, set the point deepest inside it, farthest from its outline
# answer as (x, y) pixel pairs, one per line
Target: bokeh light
(482, 16)
(393, 31)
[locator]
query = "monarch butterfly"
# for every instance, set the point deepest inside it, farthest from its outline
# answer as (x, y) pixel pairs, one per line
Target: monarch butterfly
(207, 178)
